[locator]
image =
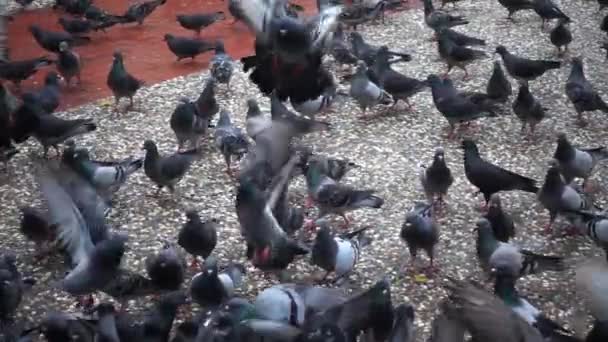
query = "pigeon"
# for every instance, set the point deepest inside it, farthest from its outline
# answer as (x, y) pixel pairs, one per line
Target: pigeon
(399, 86)
(332, 197)
(455, 55)
(68, 63)
(17, 71)
(206, 103)
(498, 87)
(455, 107)
(312, 107)
(121, 82)
(437, 178)
(49, 95)
(50, 40)
(230, 140)
(60, 326)
(370, 304)
(582, 93)
(256, 122)
(221, 65)
(485, 316)
(166, 269)
(106, 176)
(591, 224)
(560, 35)
(458, 38)
(504, 288)
(577, 162)
(268, 245)
(12, 288)
(140, 11)
(524, 69)
(167, 171)
(489, 178)
(198, 237)
(438, 18)
(210, 288)
(198, 21)
(358, 14)
(36, 227)
(334, 168)
(187, 124)
(50, 130)
(337, 254)
(279, 112)
(288, 51)
(340, 50)
(558, 196)
(547, 10)
(527, 109)
(76, 26)
(236, 11)
(77, 7)
(514, 6)
(183, 47)
(404, 329)
(420, 231)
(500, 220)
(365, 92)
(106, 325)
(590, 280)
(367, 52)
(158, 321)
(494, 254)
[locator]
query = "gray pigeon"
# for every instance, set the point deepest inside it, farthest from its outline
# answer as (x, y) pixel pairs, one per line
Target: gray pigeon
(166, 171)
(437, 178)
(493, 254)
(121, 82)
(365, 92)
(557, 196)
(332, 197)
(338, 254)
(591, 279)
(221, 65)
(498, 88)
(206, 103)
(581, 92)
(593, 225)
(438, 18)
(187, 124)
(577, 162)
(256, 120)
(420, 231)
(524, 69)
(230, 140)
(527, 109)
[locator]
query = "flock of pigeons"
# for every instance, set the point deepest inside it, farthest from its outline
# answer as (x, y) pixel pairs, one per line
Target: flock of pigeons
(287, 65)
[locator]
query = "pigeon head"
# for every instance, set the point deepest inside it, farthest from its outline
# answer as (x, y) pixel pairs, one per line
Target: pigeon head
(52, 78)
(361, 67)
(524, 89)
(434, 80)
(109, 253)
(483, 226)
(291, 36)
(469, 145)
(82, 154)
(118, 56)
(150, 146)
(553, 177)
(439, 153)
(192, 215)
(562, 138)
(219, 47)
(210, 266)
(35, 30)
(355, 37)
(64, 46)
(501, 50)
(495, 201)
(168, 37)
(253, 109)
(577, 62)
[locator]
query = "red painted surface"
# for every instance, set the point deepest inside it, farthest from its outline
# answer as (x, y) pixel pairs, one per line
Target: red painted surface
(146, 54)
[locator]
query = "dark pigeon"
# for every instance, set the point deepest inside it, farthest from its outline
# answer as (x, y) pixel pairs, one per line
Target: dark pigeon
(166, 269)
(437, 178)
(76, 26)
(367, 52)
(167, 171)
(206, 103)
(489, 178)
(68, 63)
(501, 221)
(404, 329)
(210, 288)
(458, 38)
(198, 21)
(547, 10)
(121, 82)
(17, 71)
(498, 88)
(140, 11)
(524, 69)
(420, 231)
(561, 36)
(514, 6)
(184, 47)
(438, 18)
(527, 109)
(35, 227)
(50, 40)
(187, 124)
(198, 237)
(49, 95)
(582, 93)
(340, 50)
(455, 55)
(106, 326)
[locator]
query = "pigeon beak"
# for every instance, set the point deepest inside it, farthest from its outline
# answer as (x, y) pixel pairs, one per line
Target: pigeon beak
(282, 32)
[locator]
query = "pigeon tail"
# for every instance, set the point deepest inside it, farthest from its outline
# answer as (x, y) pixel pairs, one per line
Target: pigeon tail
(364, 198)
(536, 263)
(133, 166)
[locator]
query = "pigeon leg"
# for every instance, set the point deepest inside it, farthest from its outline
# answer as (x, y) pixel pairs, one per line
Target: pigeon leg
(549, 227)
(309, 225)
(130, 103)
(445, 75)
(571, 230)
(309, 202)
(346, 222)
(588, 186)
(78, 79)
(581, 121)
(451, 132)
(410, 108)
(116, 103)
(194, 264)
(466, 74)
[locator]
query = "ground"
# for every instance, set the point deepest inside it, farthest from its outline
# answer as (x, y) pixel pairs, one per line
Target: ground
(389, 149)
